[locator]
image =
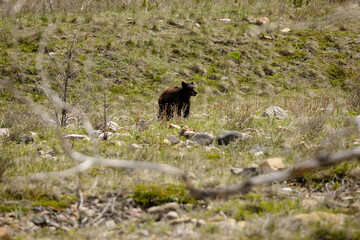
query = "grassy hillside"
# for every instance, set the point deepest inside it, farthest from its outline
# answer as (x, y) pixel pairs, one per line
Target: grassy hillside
(305, 59)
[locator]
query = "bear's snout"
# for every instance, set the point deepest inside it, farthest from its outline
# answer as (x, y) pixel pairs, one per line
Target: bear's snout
(195, 93)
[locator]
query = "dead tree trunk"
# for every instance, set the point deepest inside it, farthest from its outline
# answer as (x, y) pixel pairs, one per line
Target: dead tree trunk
(66, 84)
(105, 108)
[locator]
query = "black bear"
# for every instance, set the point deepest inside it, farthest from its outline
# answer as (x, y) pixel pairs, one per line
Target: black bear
(176, 99)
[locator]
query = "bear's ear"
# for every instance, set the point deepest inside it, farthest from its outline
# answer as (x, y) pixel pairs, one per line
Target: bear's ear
(192, 83)
(183, 84)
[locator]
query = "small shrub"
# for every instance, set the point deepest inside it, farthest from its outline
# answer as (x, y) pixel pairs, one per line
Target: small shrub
(236, 55)
(312, 128)
(40, 197)
(337, 75)
(355, 99)
(241, 117)
(152, 195)
(5, 162)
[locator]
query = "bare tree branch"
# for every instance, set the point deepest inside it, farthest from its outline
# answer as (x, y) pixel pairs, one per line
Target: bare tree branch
(307, 166)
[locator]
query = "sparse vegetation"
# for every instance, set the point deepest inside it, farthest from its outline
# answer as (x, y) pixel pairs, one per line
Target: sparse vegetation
(133, 50)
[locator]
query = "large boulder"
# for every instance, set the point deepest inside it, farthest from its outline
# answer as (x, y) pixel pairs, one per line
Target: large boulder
(225, 137)
(203, 138)
(275, 111)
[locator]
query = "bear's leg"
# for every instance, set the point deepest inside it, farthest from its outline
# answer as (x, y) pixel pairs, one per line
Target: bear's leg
(186, 110)
(161, 111)
(179, 110)
(169, 112)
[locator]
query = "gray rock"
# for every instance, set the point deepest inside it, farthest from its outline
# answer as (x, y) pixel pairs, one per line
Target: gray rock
(226, 137)
(110, 223)
(275, 111)
(203, 138)
(236, 171)
(173, 140)
(39, 220)
(144, 232)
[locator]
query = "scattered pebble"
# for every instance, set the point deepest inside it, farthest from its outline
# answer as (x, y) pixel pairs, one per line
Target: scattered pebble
(173, 140)
(285, 30)
(286, 189)
(225, 20)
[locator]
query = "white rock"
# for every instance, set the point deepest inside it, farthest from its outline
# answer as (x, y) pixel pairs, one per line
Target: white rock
(188, 134)
(286, 189)
(174, 126)
(135, 146)
(112, 126)
(211, 148)
(259, 153)
(167, 142)
(225, 20)
(236, 171)
(262, 20)
(285, 30)
(191, 175)
(4, 132)
(110, 223)
(76, 136)
(172, 215)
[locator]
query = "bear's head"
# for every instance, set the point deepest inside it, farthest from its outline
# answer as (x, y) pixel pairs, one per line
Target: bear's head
(189, 88)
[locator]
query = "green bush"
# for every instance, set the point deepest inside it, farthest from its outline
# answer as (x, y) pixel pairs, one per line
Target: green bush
(152, 195)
